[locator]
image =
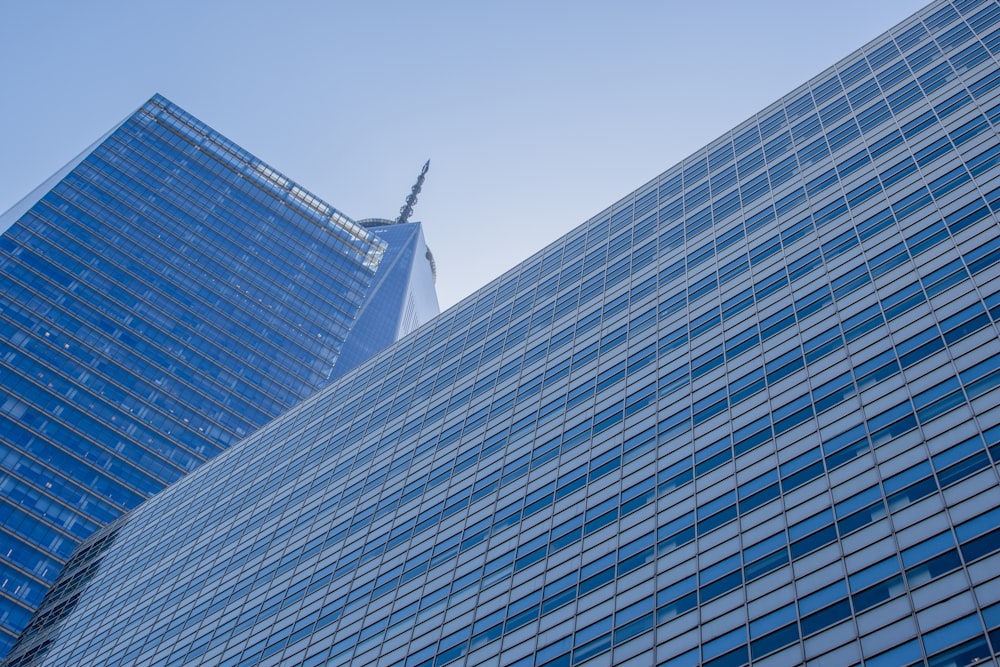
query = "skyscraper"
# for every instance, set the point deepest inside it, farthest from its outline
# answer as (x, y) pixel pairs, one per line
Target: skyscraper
(162, 296)
(401, 297)
(748, 413)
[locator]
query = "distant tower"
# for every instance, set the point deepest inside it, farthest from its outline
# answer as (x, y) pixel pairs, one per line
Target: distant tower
(404, 285)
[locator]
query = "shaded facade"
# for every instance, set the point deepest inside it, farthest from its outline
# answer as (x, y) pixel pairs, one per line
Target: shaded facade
(747, 414)
(163, 295)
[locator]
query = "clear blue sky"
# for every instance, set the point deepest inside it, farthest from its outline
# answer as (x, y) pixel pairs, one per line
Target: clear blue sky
(535, 115)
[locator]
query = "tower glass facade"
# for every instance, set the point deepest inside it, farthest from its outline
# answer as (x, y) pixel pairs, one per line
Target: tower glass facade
(400, 298)
(748, 414)
(161, 297)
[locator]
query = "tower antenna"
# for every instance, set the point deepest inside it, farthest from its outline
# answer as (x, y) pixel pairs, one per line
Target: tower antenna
(411, 199)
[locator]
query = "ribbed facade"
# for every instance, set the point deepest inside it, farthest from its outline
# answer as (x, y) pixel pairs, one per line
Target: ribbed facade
(747, 415)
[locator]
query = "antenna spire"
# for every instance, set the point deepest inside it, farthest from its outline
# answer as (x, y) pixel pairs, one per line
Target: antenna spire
(407, 210)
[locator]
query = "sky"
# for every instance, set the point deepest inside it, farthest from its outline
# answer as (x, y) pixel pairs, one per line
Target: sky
(535, 114)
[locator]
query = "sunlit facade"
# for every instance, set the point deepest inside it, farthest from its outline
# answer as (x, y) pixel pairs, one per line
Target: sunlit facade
(163, 295)
(747, 414)
(401, 297)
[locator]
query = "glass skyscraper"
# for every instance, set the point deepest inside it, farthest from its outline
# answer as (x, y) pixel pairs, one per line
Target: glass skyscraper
(400, 298)
(748, 414)
(163, 296)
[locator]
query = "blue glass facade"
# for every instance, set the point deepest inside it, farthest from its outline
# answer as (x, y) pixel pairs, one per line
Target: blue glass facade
(162, 297)
(401, 297)
(746, 415)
